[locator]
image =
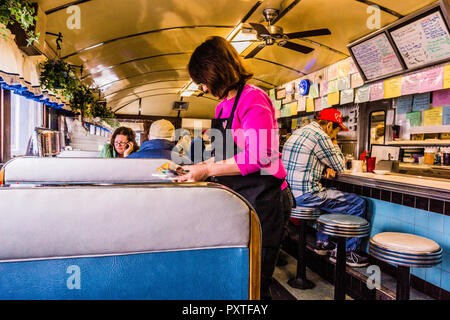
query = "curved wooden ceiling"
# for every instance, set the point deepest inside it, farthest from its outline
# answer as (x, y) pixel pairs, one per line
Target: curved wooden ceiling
(139, 49)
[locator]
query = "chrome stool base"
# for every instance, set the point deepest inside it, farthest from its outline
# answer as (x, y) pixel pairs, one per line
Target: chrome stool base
(342, 227)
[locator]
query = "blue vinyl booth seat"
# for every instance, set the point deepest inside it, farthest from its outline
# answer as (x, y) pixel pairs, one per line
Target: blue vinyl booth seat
(133, 241)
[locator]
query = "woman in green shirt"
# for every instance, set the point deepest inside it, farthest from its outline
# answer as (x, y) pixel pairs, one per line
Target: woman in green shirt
(123, 143)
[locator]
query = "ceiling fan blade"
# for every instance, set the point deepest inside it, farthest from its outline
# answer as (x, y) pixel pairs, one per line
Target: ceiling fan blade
(260, 29)
(309, 33)
(255, 51)
(295, 46)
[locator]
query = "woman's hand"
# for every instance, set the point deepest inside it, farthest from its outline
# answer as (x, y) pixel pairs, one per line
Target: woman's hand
(197, 172)
(129, 149)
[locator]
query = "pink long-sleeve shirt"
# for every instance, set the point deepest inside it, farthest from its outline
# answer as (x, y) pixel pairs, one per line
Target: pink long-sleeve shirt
(255, 131)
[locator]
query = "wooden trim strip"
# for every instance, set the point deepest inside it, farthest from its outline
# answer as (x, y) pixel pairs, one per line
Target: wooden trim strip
(255, 257)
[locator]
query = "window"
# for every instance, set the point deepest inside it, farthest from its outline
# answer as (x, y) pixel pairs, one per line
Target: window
(26, 115)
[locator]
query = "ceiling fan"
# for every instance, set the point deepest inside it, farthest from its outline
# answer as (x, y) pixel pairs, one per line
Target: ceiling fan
(271, 34)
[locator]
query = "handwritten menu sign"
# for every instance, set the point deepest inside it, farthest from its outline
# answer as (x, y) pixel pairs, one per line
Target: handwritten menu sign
(376, 57)
(446, 115)
(423, 41)
(421, 102)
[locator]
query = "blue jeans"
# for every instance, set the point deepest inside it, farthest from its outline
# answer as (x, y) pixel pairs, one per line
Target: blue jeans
(335, 201)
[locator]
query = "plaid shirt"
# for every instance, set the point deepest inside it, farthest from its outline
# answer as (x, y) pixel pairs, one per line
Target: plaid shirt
(305, 156)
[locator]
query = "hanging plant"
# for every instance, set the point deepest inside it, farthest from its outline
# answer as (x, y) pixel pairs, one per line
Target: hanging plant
(58, 75)
(21, 12)
(100, 110)
(81, 100)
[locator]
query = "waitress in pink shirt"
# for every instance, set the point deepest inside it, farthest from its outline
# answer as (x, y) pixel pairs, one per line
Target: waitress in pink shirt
(246, 155)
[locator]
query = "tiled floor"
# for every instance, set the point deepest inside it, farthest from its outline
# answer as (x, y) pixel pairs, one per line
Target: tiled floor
(323, 289)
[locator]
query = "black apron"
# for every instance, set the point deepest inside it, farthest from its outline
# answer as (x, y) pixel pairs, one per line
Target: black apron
(262, 191)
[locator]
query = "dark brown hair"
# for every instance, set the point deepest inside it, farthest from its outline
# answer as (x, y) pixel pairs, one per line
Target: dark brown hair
(125, 131)
(217, 64)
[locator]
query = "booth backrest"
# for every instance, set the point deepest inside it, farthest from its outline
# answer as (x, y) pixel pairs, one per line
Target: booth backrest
(81, 170)
(127, 242)
(78, 154)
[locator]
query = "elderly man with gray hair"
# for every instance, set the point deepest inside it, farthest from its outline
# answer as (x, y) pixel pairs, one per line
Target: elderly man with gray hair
(160, 144)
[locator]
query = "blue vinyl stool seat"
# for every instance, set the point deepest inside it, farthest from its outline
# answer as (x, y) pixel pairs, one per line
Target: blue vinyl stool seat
(406, 251)
(303, 214)
(342, 227)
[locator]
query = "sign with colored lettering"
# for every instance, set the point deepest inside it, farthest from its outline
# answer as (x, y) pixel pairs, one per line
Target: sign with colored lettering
(432, 117)
(318, 104)
(446, 77)
(393, 87)
(421, 102)
(441, 98)
(362, 94)
(325, 102)
(352, 66)
(411, 83)
(446, 115)
(333, 98)
(347, 96)
(414, 119)
(309, 104)
(376, 57)
(377, 91)
(431, 79)
(314, 91)
(342, 68)
(276, 103)
(294, 108)
(323, 88)
(343, 83)
(301, 104)
(332, 72)
(423, 41)
(332, 86)
(356, 80)
(404, 104)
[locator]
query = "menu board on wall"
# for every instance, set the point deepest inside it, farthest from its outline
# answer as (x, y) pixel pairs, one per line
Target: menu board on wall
(376, 57)
(423, 40)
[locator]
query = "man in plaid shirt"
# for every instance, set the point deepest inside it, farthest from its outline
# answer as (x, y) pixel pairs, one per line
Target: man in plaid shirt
(306, 154)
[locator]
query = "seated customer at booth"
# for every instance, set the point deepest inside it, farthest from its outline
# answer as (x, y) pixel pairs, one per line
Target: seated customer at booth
(160, 144)
(123, 143)
(306, 154)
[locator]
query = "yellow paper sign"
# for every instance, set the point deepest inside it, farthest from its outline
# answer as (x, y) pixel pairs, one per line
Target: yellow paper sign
(294, 107)
(294, 124)
(447, 76)
(333, 98)
(432, 117)
(342, 69)
(309, 104)
(393, 88)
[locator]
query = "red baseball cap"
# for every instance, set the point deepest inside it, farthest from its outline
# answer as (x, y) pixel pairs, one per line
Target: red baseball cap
(332, 115)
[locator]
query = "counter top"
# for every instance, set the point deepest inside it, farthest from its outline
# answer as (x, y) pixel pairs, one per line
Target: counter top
(415, 185)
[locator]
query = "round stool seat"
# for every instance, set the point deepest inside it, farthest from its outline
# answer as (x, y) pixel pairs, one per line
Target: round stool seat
(305, 213)
(405, 249)
(342, 225)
